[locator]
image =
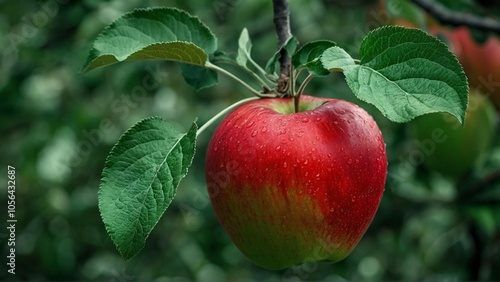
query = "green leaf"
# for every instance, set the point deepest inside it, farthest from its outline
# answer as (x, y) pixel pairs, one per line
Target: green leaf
(199, 77)
(406, 73)
(290, 46)
(309, 56)
(244, 48)
(155, 33)
(140, 179)
(336, 59)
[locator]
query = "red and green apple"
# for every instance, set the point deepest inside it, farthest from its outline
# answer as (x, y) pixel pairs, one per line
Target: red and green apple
(290, 187)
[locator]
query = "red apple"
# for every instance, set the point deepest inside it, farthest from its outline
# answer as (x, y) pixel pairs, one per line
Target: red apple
(481, 62)
(296, 187)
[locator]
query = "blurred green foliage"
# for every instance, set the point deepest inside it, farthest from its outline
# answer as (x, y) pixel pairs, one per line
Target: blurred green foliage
(57, 127)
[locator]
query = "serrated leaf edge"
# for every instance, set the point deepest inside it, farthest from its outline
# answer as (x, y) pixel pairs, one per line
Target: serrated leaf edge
(107, 163)
(111, 25)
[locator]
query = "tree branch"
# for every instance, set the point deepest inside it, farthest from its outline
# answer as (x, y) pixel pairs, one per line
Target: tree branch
(446, 16)
(282, 25)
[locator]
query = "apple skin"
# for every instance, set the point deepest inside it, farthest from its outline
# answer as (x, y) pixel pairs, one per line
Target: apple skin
(461, 147)
(295, 187)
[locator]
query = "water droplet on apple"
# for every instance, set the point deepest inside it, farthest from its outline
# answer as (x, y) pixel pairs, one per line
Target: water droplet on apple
(342, 149)
(285, 165)
(278, 148)
(306, 174)
(317, 138)
(349, 161)
(332, 209)
(254, 133)
(250, 124)
(305, 162)
(304, 120)
(329, 169)
(264, 129)
(215, 149)
(282, 131)
(349, 121)
(318, 119)
(357, 161)
(353, 199)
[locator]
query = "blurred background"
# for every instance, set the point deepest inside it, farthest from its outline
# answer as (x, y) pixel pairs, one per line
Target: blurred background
(440, 215)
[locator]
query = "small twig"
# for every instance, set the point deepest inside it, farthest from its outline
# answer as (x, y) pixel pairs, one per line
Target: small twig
(282, 25)
(446, 16)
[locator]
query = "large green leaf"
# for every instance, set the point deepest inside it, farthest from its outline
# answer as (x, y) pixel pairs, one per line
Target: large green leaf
(154, 33)
(406, 73)
(140, 179)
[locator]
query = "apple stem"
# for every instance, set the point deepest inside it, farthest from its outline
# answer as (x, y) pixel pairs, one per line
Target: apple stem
(223, 112)
(296, 97)
(223, 71)
(304, 84)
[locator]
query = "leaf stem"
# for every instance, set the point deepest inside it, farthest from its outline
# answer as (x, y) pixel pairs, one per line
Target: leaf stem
(223, 112)
(260, 70)
(223, 71)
